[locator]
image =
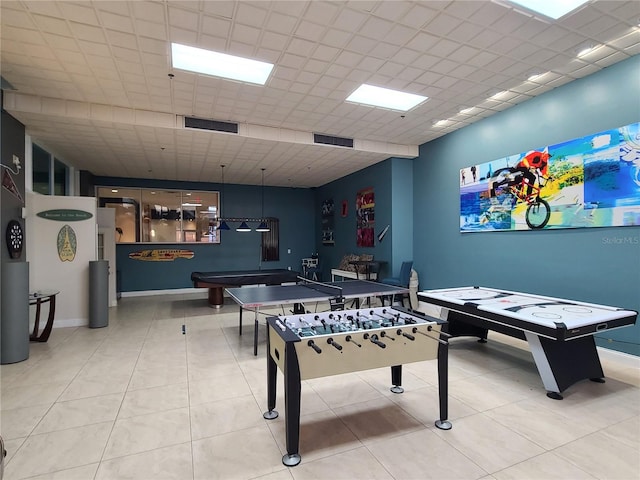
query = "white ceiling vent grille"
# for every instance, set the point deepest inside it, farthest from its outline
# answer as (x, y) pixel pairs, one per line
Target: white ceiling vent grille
(331, 140)
(214, 125)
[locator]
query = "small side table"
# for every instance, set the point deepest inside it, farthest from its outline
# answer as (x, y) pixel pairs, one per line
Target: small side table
(368, 265)
(37, 299)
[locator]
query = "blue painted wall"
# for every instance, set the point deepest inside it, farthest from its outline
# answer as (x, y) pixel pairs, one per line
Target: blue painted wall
(393, 189)
(237, 251)
(600, 265)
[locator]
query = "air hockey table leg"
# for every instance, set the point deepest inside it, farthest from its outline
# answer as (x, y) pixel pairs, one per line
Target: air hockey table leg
(561, 364)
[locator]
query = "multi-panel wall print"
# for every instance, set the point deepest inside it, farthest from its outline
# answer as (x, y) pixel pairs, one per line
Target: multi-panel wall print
(592, 181)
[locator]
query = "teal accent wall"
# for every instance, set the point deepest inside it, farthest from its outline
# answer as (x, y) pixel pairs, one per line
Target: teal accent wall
(237, 250)
(393, 190)
(600, 265)
(401, 231)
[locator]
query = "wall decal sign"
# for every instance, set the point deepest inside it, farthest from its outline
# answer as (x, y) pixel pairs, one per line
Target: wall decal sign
(65, 215)
(67, 244)
(593, 181)
(161, 255)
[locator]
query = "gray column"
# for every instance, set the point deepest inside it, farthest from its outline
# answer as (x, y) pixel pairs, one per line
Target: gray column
(14, 312)
(98, 293)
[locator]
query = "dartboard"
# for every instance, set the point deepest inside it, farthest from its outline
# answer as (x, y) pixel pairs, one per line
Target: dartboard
(15, 238)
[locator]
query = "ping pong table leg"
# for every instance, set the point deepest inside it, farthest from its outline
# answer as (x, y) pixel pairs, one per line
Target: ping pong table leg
(255, 333)
(240, 322)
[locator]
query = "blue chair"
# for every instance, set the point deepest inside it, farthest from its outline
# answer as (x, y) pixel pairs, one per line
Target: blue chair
(402, 280)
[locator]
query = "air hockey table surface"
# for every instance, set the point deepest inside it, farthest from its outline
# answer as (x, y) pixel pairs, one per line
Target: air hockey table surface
(556, 318)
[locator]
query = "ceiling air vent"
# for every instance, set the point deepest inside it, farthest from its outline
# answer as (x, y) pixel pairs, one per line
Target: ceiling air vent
(331, 140)
(214, 125)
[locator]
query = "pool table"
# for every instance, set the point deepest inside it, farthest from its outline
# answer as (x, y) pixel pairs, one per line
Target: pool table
(216, 282)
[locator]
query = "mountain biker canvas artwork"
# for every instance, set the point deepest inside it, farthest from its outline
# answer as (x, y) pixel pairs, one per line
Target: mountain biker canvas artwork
(593, 181)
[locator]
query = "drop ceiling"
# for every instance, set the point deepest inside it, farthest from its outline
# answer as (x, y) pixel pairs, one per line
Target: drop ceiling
(93, 83)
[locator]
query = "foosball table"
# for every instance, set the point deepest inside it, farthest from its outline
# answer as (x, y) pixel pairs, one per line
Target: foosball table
(312, 345)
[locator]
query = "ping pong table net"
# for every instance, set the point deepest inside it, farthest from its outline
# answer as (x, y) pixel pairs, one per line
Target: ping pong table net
(336, 300)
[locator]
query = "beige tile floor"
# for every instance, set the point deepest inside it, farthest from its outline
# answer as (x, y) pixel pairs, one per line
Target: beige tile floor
(140, 400)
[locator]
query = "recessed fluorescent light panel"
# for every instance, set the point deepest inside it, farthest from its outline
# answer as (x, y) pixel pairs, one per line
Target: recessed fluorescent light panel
(385, 98)
(551, 8)
(217, 64)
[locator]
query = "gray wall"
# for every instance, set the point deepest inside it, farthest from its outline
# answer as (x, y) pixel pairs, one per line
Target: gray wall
(600, 265)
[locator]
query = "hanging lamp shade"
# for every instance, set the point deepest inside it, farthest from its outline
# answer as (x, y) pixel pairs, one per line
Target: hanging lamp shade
(223, 226)
(263, 227)
(243, 227)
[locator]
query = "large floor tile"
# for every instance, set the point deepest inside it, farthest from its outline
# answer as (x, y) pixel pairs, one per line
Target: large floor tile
(30, 395)
(153, 400)
(545, 427)
(168, 463)
(490, 445)
(424, 455)
(603, 456)
(342, 390)
(377, 419)
(20, 422)
(61, 450)
(547, 466)
(84, 386)
(148, 432)
(218, 388)
(357, 464)
(242, 454)
(223, 416)
(321, 435)
(85, 472)
(76, 413)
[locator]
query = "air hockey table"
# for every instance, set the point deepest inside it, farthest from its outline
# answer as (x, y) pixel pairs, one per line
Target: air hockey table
(559, 332)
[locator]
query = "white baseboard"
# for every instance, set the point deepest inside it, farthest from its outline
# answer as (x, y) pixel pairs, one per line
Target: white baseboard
(622, 358)
(70, 322)
(145, 293)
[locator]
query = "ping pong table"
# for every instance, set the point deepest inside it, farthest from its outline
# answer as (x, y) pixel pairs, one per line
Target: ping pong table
(307, 291)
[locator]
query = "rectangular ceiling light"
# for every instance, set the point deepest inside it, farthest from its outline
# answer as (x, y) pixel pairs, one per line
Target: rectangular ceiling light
(385, 98)
(217, 64)
(551, 8)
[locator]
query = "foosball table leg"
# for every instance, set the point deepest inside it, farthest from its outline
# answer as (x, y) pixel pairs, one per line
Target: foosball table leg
(396, 379)
(443, 383)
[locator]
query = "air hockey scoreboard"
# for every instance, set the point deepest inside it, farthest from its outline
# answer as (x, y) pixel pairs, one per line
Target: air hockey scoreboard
(559, 331)
(312, 345)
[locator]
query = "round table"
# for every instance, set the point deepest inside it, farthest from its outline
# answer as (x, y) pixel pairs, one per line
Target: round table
(38, 298)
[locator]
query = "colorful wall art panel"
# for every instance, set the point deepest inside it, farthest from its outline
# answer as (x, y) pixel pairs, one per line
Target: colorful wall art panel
(365, 217)
(592, 181)
(328, 211)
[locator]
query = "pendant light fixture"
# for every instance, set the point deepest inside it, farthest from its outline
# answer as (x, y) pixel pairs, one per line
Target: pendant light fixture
(243, 227)
(263, 227)
(223, 225)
